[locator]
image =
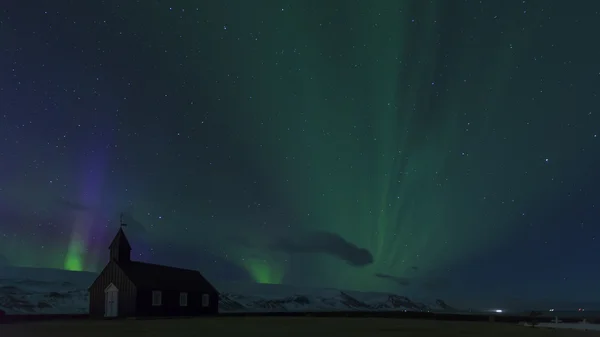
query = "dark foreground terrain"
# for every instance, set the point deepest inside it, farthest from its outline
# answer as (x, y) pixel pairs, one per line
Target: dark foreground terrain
(276, 327)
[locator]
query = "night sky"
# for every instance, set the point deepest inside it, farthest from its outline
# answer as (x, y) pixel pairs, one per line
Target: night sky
(430, 148)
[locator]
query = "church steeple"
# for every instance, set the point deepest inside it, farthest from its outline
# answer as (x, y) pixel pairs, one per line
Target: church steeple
(120, 250)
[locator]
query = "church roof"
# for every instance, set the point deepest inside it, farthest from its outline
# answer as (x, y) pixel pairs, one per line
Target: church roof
(150, 276)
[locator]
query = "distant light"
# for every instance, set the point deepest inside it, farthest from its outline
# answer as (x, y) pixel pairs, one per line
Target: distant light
(551, 309)
(498, 311)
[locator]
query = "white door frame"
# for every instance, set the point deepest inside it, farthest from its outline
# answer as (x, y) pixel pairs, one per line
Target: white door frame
(111, 301)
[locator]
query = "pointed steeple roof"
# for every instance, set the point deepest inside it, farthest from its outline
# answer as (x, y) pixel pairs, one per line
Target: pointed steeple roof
(120, 241)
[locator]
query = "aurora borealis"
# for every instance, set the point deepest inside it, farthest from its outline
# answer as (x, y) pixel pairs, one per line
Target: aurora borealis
(412, 146)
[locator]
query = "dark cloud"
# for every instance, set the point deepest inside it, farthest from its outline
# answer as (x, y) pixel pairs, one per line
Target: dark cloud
(325, 243)
(403, 281)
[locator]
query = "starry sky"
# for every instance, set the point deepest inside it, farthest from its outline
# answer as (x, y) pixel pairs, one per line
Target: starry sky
(441, 148)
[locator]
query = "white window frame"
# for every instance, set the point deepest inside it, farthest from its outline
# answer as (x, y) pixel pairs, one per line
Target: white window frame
(205, 300)
(183, 299)
(156, 298)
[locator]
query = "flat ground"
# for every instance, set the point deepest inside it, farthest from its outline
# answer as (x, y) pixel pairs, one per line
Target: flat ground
(277, 327)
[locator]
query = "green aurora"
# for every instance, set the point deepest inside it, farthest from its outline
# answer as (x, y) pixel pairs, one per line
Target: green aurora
(390, 123)
(388, 117)
(377, 144)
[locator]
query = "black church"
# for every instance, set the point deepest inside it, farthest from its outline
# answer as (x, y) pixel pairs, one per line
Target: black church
(128, 288)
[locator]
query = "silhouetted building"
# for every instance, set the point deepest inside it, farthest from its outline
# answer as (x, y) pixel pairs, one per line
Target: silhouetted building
(128, 288)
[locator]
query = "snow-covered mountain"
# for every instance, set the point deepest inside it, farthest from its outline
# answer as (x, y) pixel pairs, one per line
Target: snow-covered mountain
(52, 291)
(43, 291)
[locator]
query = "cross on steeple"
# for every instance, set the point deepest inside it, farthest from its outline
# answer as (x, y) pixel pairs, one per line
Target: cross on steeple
(121, 221)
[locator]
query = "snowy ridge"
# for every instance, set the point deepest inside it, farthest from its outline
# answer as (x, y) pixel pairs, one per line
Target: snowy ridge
(51, 291)
(25, 296)
(341, 301)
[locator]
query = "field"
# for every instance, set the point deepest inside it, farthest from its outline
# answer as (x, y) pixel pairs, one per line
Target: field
(277, 327)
